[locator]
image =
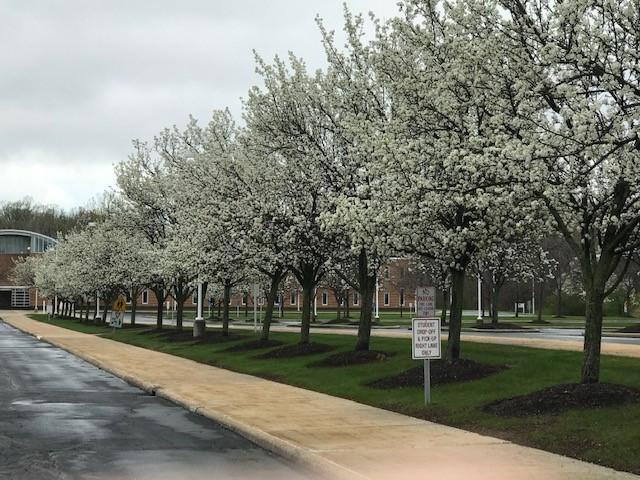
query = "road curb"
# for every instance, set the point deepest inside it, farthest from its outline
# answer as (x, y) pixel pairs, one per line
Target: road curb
(297, 454)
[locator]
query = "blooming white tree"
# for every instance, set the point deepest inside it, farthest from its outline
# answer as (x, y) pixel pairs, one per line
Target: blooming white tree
(522, 259)
(149, 196)
(287, 131)
(448, 179)
(356, 110)
(580, 66)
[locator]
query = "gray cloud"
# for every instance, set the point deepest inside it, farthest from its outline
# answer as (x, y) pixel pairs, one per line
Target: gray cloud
(79, 79)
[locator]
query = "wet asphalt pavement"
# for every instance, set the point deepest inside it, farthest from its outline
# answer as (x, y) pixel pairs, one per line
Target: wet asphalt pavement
(62, 418)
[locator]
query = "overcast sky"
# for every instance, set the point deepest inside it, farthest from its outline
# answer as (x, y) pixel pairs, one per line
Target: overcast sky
(80, 78)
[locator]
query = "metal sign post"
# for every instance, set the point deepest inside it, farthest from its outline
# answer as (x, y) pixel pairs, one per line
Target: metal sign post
(427, 382)
(425, 345)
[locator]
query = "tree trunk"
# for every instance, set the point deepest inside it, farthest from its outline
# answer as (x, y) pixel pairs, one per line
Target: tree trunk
(205, 286)
(445, 306)
(541, 298)
(307, 295)
(495, 296)
(159, 293)
(346, 304)
(134, 307)
(268, 311)
(455, 319)
(592, 335)
(86, 311)
(338, 305)
(559, 301)
(225, 309)
(367, 282)
(179, 311)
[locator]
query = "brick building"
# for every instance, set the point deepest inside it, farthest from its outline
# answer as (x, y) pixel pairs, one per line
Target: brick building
(13, 245)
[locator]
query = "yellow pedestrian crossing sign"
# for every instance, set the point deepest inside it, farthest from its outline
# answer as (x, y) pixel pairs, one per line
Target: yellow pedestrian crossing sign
(119, 305)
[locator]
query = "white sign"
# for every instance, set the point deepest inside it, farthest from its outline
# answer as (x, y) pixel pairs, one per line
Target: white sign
(425, 302)
(425, 337)
(116, 319)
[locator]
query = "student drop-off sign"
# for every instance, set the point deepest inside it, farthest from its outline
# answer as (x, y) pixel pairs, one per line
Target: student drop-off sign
(426, 338)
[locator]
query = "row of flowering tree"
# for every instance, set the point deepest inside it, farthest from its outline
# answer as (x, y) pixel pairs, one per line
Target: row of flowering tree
(458, 133)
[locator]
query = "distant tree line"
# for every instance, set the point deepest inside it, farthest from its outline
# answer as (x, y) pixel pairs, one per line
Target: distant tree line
(48, 220)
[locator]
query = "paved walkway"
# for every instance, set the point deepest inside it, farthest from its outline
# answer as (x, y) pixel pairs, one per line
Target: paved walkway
(339, 437)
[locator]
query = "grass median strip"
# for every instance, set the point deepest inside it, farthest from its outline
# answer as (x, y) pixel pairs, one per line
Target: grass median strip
(605, 435)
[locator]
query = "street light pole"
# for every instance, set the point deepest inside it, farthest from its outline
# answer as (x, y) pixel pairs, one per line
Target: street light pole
(199, 323)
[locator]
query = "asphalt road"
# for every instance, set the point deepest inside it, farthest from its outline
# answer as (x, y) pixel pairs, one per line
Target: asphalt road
(62, 418)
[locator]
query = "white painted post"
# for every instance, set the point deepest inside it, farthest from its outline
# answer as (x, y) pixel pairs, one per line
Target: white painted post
(298, 299)
(199, 325)
(199, 317)
(479, 297)
(315, 304)
(377, 299)
(533, 297)
(427, 382)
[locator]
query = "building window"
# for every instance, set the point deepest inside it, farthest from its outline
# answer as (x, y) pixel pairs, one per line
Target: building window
(356, 298)
(325, 298)
(401, 272)
(145, 297)
(402, 297)
(127, 298)
(386, 272)
(194, 298)
(386, 298)
(245, 299)
(292, 298)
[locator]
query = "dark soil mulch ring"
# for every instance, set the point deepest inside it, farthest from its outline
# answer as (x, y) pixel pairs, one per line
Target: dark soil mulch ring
(253, 345)
(296, 350)
(559, 398)
(501, 325)
(186, 335)
(344, 359)
(630, 329)
(462, 370)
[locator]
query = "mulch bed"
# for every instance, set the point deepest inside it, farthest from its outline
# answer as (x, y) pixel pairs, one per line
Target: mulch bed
(559, 398)
(501, 325)
(344, 359)
(296, 350)
(186, 335)
(461, 370)
(630, 329)
(253, 345)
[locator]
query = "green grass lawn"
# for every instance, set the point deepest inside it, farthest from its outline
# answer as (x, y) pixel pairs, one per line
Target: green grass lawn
(608, 436)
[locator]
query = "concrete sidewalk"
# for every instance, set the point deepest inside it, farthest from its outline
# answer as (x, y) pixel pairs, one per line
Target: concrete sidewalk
(337, 437)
